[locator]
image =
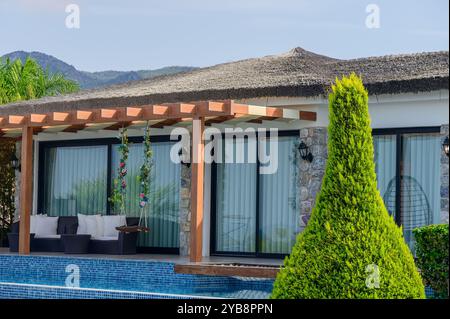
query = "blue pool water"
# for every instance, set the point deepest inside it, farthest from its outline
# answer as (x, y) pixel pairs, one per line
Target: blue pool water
(46, 277)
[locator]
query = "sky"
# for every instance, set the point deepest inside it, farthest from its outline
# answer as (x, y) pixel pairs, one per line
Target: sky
(147, 34)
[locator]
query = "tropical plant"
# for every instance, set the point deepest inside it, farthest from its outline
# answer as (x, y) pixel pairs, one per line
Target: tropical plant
(351, 247)
(25, 81)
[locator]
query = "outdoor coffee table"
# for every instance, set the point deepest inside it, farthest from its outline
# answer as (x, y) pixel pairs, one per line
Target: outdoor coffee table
(76, 244)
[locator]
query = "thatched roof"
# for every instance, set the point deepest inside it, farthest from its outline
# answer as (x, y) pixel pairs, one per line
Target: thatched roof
(296, 73)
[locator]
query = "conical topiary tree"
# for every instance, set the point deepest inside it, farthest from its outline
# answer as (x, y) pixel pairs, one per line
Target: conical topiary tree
(352, 247)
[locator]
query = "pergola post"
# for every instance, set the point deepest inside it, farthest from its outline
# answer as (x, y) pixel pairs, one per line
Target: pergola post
(197, 178)
(26, 190)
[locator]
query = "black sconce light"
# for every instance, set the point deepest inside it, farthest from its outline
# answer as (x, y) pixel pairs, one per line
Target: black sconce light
(15, 162)
(180, 154)
(445, 146)
(305, 152)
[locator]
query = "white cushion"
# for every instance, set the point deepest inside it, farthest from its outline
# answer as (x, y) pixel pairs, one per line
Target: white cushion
(88, 225)
(91, 225)
(99, 224)
(46, 226)
(33, 222)
(110, 222)
(106, 237)
(81, 230)
(48, 236)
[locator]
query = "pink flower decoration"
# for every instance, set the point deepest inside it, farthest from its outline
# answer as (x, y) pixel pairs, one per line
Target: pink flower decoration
(141, 195)
(142, 204)
(122, 164)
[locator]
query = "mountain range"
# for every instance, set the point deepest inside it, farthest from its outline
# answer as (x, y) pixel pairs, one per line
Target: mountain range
(89, 80)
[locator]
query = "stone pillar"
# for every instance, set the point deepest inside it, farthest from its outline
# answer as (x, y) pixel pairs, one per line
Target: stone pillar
(185, 210)
(444, 179)
(311, 174)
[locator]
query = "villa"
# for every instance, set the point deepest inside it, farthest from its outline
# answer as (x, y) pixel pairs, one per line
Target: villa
(68, 150)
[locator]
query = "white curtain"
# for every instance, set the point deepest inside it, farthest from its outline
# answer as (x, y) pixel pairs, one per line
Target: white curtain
(420, 182)
(236, 199)
(236, 206)
(75, 180)
(420, 179)
(385, 147)
(279, 214)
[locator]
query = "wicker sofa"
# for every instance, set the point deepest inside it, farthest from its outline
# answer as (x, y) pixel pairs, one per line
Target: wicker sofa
(125, 244)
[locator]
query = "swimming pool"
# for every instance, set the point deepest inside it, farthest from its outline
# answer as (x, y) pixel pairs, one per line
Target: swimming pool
(88, 278)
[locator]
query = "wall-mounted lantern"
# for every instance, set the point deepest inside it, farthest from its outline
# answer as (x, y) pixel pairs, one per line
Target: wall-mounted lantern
(182, 159)
(15, 162)
(445, 146)
(305, 153)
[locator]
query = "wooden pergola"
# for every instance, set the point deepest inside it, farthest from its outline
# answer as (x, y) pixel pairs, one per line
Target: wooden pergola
(204, 113)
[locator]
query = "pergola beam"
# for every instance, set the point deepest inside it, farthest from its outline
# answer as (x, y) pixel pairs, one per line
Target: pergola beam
(118, 126)
(168, 122)
(206, 109)
(74, 128)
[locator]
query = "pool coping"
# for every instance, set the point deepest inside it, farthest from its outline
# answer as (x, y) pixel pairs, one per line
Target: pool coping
(125, 292)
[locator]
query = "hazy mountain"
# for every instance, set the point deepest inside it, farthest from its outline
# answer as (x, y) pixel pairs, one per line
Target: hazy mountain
(92, 79)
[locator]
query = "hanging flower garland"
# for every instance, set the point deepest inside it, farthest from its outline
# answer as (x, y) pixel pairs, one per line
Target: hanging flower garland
(120, 184)
(144, 179)
(144, 176)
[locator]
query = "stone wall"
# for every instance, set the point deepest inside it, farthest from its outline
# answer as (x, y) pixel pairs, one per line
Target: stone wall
(311, 174)
(185, 210)
(444, 179)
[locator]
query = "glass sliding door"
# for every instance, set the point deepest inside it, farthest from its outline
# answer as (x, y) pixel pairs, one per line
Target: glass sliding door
(236, 204)
(254, 213)
(76, 177)
(278, 209)
(415, 157)
(75, 180)
(420, 192)
(163, 207)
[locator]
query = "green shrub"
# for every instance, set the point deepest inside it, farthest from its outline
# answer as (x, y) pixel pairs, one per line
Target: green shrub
(432, 257)
(351, 247)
